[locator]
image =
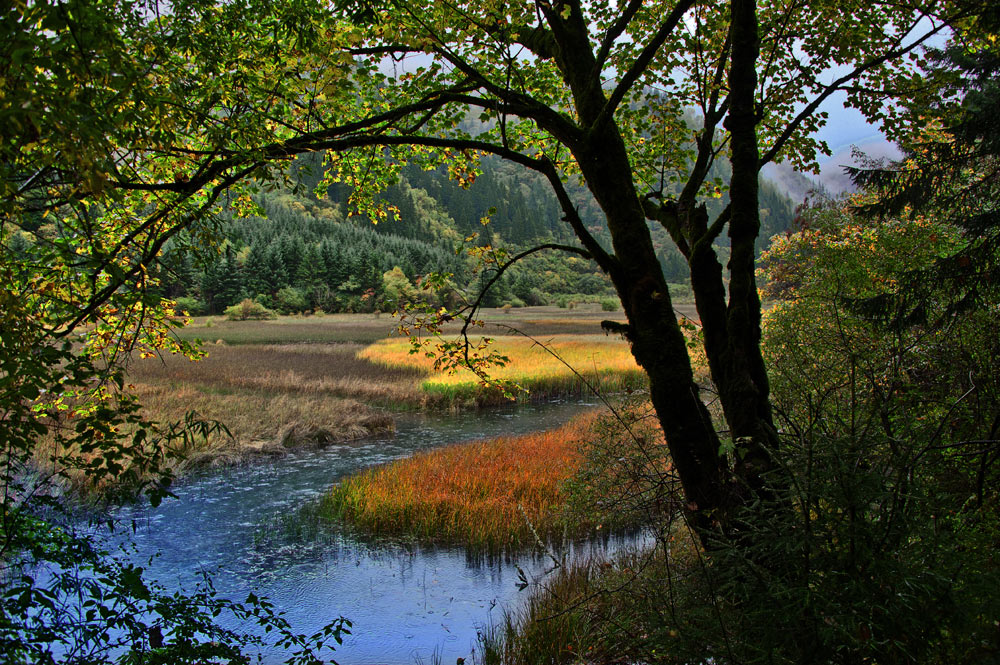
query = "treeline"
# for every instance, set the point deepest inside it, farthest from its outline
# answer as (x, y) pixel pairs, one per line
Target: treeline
(307, 253)
(304, 255)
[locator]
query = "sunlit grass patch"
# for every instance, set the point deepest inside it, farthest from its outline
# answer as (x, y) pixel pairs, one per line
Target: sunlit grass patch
(565, 365)
(486, 494)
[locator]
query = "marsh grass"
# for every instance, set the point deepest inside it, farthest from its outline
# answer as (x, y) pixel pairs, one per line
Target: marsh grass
(492, 496)
(272, 398)
(613, 610)
(368, 328)
(564, 366)
(309, 369)
(326, 328)
(260, 425)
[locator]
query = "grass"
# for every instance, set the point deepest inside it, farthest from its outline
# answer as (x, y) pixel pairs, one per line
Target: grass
(615, 610)
(368, 328)
(325, 328)
(490, 495)
(261, 425)
(273, 397)
(315, 369)
(605, 362)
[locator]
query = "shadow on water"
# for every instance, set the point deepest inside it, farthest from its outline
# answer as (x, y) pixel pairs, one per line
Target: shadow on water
(407, 603)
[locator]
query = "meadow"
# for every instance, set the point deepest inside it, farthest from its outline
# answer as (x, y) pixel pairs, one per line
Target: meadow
(368, 328)
(562, 365)
(272, 398)
(312, 380)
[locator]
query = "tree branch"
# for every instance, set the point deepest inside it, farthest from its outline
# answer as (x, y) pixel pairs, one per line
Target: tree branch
(641, 63)
(831, 88)
(615, 31)
(502, 268)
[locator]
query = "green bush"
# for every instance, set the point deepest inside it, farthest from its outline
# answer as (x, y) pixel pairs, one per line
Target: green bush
(290, 300)
(609, 305)
(192, 306)
(876, 539)
(248, 310)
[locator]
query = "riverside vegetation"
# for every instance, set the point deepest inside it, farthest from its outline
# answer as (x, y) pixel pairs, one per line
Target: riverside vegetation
(845, 511)
(502, 494)
(311, 381)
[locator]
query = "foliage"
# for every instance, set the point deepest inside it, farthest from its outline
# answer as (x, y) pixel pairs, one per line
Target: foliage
(66, 420)
(625, 477)
(949, 170)
(190, 306)
(890, 455)
(90, 91)
(290, 300)
(248, 310)
(204, 100)
(124, 127)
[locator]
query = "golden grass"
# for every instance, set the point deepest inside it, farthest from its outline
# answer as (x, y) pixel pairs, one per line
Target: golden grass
(605, 362)
(483, 494)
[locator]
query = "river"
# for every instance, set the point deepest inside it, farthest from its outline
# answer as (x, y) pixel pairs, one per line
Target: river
(407, 605)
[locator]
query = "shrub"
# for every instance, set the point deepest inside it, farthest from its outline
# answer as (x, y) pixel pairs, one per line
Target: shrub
(248, 310)
(192, 306)
(609, 305)
(290, 300)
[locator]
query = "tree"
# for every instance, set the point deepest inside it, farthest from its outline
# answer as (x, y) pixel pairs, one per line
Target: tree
(75, 303)
(892, 439)
(213, 94)
(949, 171)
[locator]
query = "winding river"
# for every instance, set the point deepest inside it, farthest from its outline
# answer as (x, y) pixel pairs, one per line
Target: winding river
(407, 605)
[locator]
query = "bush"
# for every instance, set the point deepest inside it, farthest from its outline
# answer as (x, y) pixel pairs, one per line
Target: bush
(290, 300)
(609, 305)
(192, 306)
(879, 544)
(248, 310)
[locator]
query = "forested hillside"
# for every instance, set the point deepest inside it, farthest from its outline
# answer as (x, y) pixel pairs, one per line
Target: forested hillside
(310, 253)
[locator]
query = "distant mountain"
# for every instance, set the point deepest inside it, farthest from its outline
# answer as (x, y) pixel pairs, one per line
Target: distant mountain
(832, 176)
(831, 180)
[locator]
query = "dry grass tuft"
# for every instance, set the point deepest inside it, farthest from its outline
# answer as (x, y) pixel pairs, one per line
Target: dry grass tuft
(272, 398)
(261, 425)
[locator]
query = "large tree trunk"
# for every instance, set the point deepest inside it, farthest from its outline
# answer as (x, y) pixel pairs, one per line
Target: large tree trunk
(658, 342)
(732, 328)
(746, 392)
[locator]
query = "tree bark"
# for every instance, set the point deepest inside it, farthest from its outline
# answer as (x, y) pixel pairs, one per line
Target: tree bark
(745, 391)
(732, 328)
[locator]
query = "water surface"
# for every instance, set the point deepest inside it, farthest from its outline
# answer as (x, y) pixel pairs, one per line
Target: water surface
(407, 604)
